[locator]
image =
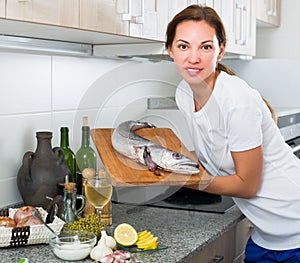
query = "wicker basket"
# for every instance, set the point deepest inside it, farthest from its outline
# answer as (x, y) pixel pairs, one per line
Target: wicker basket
(28, 235)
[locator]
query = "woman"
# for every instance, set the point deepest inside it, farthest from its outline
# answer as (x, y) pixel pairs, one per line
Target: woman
(235, 137)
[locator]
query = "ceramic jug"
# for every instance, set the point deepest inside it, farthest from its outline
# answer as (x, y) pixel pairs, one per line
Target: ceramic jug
(41, 172)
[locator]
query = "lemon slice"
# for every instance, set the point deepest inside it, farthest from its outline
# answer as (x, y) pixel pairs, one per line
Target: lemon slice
(145, 240)
(144, 235)
(148, 244)
(125, 235)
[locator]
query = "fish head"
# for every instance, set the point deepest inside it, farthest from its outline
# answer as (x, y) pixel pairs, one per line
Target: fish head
(174, 161)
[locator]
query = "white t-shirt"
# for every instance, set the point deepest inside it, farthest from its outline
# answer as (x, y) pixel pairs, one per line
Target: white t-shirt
(235, 118)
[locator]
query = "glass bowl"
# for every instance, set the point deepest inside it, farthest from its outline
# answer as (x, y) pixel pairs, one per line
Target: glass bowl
(73, 245)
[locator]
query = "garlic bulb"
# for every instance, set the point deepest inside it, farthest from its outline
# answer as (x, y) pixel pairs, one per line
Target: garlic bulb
(109, 241)
(101, 250)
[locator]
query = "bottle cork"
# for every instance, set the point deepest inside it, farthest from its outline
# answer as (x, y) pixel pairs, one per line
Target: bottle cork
(85, 121)
(70, 187)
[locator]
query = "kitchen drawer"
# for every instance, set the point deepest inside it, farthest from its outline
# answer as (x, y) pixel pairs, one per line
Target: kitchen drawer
(229, 247)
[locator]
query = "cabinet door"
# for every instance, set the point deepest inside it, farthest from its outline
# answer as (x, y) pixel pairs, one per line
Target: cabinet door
(105, 16)
(221, 250)
(239, 19)
(268, 12)
(2, 8)
(155, 20)
(229, 247)
(55, 12)
(175, 7)
(149, 18)
(215, 4)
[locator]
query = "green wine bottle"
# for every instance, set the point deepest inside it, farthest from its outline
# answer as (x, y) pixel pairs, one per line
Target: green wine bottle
(69, 158)
(86, 156)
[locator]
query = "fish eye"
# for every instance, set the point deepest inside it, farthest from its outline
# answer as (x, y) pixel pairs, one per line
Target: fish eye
(176, 155)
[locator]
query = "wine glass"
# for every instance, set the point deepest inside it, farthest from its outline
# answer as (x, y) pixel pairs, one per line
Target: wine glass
(98, 191)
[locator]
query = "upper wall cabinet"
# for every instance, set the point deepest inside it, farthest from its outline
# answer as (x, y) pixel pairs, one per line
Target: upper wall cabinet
(55, 12)
(268, 12)
(130, 21)
(239, 20)
(2, 8)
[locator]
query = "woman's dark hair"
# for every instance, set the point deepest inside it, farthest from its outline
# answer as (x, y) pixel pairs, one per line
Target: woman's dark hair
(198, 13)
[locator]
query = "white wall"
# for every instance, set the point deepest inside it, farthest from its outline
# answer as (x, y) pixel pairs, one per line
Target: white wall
(274, 71)
(282, 42)
(38, 93)
(276, 79)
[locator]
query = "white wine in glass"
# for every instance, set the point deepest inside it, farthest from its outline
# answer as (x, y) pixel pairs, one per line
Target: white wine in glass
(98, 191)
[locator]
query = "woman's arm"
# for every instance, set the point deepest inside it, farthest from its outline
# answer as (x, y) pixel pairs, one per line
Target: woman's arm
(246, 182)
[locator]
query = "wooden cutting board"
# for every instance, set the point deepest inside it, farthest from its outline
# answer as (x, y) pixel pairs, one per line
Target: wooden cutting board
(126, 172)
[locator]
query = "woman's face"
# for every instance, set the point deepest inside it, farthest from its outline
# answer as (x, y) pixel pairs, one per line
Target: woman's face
(195, 51)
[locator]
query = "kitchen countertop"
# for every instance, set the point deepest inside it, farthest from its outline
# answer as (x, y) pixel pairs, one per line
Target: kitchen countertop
(185, 233)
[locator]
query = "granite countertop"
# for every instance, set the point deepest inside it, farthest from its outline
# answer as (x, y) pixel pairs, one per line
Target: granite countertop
(185, 233)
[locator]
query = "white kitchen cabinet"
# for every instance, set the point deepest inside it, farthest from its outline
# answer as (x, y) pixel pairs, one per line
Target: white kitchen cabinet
(268, 12)
(239, 19)
(228, 248)
(2, 8)
(55, 12)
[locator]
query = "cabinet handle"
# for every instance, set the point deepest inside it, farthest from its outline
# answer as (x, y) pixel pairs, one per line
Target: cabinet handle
(218, 259)
(134, 19)
(241, 22)
(127, 16)
(273, 8)
(140, 19)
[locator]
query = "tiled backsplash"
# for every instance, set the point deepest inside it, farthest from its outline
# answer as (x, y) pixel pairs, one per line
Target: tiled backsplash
(39, 93)
(44, 93)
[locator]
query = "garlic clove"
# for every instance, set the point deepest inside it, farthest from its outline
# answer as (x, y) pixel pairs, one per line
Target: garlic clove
(108, 240)
(100, 251)
(107, 259)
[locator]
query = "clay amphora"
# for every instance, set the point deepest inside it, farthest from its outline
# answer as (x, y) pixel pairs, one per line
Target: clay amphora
(41, 172)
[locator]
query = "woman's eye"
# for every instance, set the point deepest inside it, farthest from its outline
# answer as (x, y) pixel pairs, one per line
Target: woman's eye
(182, 46)
(207, 47)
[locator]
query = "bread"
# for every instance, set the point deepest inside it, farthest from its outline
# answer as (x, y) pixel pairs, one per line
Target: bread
(7, 221)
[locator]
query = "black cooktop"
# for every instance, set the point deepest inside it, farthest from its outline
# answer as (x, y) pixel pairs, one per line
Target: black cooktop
(193, 200)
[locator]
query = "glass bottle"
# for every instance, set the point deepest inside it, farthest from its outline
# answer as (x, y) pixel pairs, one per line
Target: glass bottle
(70, 213)
(86, 156)
(69, 158)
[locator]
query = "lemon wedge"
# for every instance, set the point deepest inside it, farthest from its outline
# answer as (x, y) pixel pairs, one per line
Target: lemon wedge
(125, 235)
